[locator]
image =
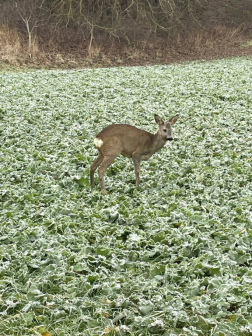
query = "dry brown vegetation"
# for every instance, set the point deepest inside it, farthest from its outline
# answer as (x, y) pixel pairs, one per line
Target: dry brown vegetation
(80, 33)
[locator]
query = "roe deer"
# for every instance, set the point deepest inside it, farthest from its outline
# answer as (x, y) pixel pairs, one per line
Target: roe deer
(131, 142)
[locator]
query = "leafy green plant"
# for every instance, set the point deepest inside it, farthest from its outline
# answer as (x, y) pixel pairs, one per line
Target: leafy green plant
(171, 257)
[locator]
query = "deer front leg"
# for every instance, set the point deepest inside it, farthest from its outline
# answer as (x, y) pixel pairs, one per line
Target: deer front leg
(136, 159)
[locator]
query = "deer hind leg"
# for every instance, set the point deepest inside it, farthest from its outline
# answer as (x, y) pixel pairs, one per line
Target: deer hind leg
(105, 164)
(94, 166)
(136, 160)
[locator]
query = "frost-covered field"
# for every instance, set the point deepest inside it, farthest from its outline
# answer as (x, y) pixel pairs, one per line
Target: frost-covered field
(172, 257)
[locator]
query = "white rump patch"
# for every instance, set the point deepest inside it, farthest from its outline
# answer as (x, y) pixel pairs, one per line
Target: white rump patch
(98, 142)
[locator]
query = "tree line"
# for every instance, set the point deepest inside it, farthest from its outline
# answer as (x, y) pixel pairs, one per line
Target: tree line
(124, 20)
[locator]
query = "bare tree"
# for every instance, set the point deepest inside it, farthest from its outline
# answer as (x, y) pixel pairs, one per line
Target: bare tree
(31, 12)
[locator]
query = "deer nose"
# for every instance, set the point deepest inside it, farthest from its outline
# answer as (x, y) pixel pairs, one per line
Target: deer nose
(169, 139)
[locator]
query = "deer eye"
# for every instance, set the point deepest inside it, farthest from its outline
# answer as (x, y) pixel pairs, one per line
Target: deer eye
(165, 130)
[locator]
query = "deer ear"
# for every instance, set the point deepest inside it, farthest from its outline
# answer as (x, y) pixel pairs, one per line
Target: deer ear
(158, 120)
(173, 119)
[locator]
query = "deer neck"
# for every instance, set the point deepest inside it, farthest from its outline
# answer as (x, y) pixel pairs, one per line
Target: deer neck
(158, 142)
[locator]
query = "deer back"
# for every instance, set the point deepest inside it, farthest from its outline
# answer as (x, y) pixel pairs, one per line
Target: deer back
(124, 139)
